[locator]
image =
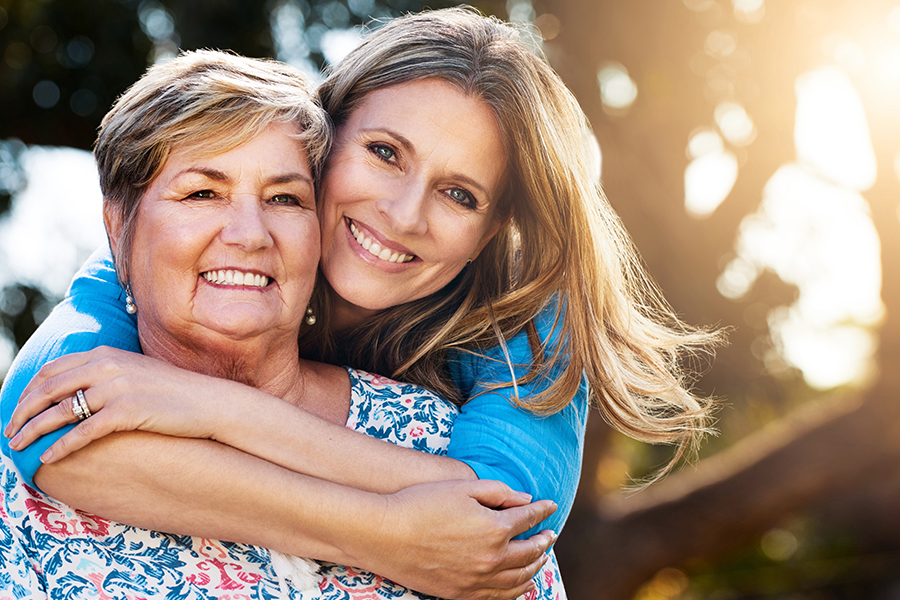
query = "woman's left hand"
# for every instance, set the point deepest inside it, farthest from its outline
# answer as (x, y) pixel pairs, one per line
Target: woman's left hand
(124, 391)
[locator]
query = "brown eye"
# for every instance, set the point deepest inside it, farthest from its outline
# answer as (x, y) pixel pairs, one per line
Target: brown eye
(285, 199)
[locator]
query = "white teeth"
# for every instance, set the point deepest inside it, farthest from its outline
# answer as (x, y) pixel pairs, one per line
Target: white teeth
(375, 249)
(236, 278)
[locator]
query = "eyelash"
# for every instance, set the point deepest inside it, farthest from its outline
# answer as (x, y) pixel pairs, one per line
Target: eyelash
(469, 202)
(292, 200)
(376, 148)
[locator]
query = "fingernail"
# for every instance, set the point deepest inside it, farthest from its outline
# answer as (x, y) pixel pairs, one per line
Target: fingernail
(14, 443)
(526, 496)
(46, 456)
(8, 430)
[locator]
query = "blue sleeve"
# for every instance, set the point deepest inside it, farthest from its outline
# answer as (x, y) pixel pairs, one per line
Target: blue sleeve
(91, 315)
(540, 455)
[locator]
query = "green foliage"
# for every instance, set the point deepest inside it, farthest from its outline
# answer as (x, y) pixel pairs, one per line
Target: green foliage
(63, 65)
(22, 308)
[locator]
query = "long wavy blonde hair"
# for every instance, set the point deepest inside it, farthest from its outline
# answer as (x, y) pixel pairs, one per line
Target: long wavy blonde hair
(564, 245)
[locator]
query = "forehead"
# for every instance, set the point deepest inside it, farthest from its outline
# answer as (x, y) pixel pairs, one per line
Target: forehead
(281, 137)
(273, 150)
(430, 98)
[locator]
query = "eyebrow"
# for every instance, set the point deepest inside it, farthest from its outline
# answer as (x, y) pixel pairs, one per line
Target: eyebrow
(408, 145)
(217, 175)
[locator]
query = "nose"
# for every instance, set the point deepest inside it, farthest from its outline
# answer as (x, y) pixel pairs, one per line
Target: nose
(404, 208)
(246, 225)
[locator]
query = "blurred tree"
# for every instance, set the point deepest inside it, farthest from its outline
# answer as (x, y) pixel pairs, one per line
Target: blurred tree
(63, 65)
(834, 451)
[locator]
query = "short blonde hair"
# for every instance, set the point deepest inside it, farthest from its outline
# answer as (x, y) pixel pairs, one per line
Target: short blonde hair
(564, 246)
(219, 99)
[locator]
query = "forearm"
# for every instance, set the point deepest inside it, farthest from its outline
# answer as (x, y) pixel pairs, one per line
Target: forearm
(438, 538)
(298, 440)
(206, 489)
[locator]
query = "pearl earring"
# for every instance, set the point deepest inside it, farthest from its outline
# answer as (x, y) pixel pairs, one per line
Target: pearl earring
(310, 317)
(130, 306)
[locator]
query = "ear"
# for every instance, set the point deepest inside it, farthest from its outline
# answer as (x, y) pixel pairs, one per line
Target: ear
(112, 219)
(113, 222)
(495, 226)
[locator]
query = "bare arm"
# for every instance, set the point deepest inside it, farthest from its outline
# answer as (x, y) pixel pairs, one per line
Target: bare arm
(128, 391)
(438, 538)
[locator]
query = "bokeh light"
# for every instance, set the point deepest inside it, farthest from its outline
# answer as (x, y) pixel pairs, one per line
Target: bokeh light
(779, 544)
(749, 11)
(820, 237)
(708, 180)
(735, 124)
(831, 132)
(618, 91)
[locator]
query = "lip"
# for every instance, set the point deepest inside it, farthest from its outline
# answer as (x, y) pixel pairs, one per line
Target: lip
(389, 245)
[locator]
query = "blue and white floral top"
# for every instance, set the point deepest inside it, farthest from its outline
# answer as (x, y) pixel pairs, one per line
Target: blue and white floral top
(49, 550)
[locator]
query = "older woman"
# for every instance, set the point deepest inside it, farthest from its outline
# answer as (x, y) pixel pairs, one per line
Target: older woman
(209, 205)
(552, 299)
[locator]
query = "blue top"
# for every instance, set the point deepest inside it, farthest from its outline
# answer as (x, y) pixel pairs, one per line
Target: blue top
(91, 315)
(529, 453)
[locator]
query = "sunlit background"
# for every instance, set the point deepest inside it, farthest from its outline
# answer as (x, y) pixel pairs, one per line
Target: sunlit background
(743, 142)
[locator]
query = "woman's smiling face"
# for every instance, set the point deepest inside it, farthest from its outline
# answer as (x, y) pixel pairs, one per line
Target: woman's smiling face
(409, 195)
(226, 246)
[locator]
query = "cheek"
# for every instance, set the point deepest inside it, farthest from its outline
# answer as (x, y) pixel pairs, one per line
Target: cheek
(304, 247)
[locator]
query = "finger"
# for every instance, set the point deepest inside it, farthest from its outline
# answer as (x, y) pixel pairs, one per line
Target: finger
(84, 433)
(51, 391)
(51, 419)
(526, 552)
(506, 593)
(522, 518)
(55, 367)
(515, 582)
(496, 494)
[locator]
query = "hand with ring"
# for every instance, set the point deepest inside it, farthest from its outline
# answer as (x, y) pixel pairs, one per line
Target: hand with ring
(127, 392)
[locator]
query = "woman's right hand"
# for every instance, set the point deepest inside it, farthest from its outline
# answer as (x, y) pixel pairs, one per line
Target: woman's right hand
(453, 539)
(124, 390)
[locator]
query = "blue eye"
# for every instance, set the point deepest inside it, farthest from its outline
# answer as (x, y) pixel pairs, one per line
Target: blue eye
(461, 196)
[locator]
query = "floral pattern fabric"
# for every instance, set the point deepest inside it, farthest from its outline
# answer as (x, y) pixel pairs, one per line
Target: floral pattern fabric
(51, 551)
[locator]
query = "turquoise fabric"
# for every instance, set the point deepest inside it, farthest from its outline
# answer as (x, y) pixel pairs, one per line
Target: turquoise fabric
(91, 315)
(498, 440)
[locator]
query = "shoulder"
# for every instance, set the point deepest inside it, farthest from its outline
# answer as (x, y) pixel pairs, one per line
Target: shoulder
(496, 364)
(401, 413)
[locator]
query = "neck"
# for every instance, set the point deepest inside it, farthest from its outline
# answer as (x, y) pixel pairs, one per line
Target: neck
(269, 365)
(345, 315)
